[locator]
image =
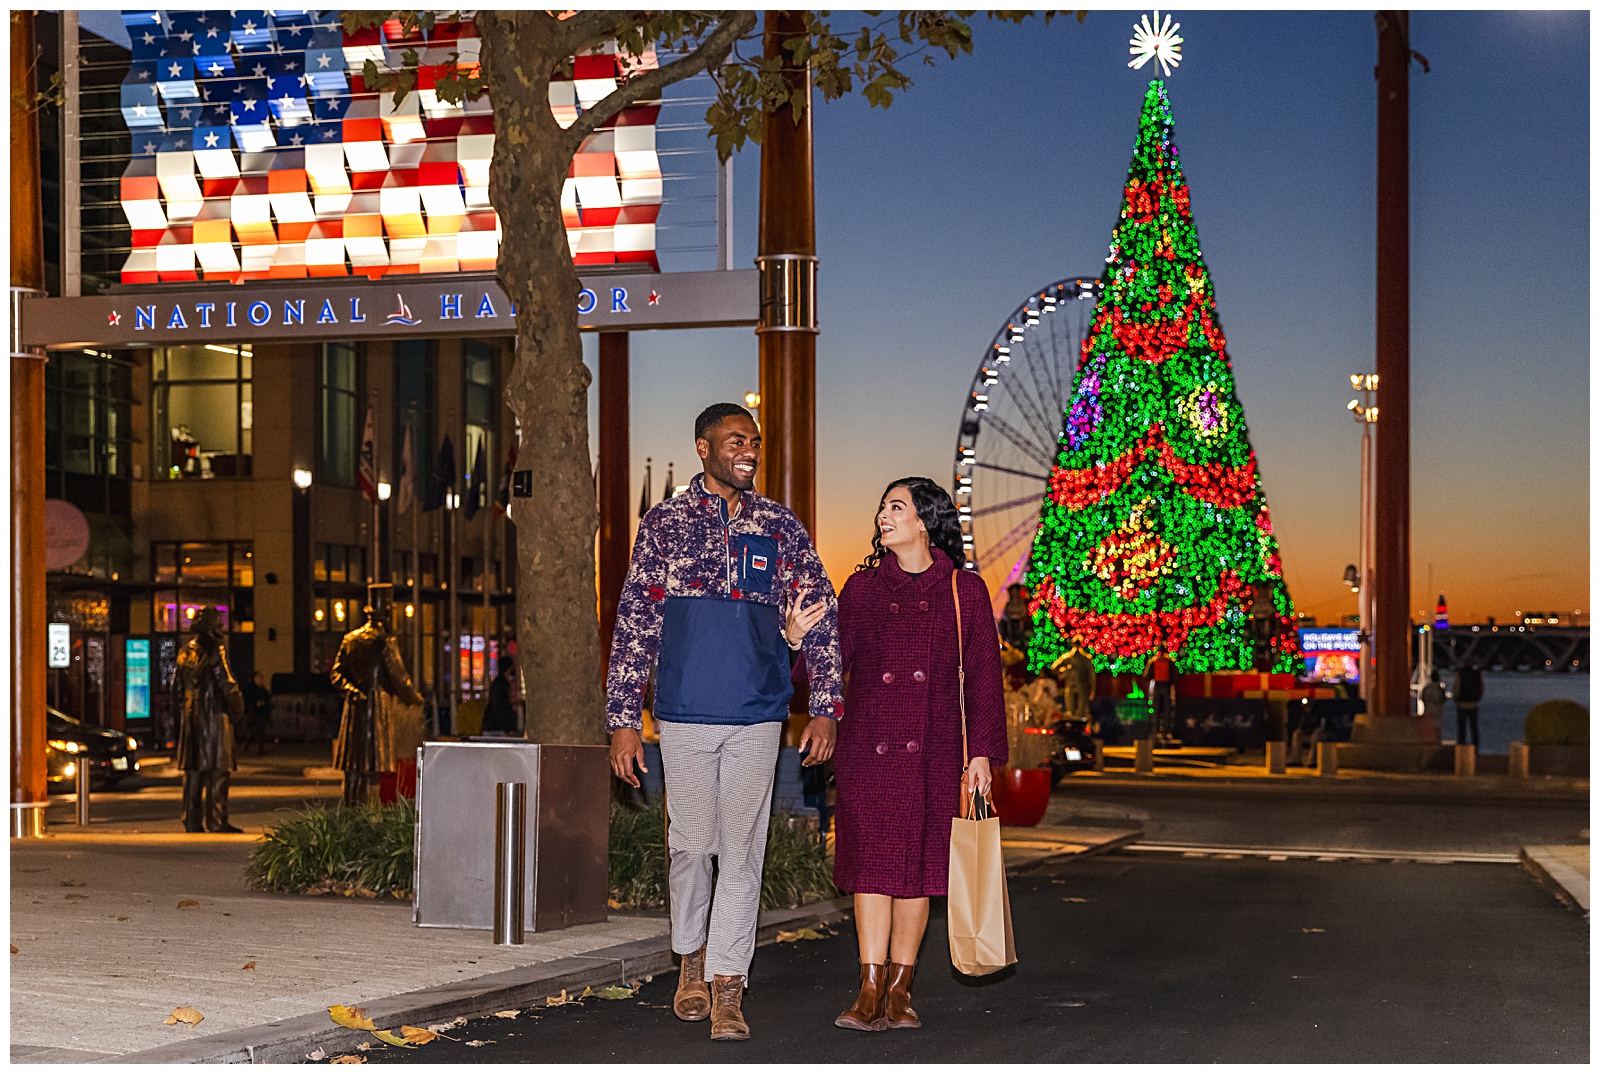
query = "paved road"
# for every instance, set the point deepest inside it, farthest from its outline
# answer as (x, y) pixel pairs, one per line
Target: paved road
(1155, 958)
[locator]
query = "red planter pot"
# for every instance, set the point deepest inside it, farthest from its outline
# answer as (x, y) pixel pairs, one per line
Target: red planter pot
(1021, 795)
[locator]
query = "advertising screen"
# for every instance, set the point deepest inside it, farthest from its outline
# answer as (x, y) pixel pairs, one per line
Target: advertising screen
(1333, 654)
(137, 678)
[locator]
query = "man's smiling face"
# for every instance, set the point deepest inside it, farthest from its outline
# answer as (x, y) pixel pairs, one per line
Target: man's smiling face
(731, 450)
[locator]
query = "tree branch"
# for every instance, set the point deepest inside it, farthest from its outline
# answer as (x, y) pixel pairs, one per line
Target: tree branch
(710, 51)
(586, 29)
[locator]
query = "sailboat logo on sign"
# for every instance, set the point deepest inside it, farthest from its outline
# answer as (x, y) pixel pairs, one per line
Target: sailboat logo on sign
(403, 314)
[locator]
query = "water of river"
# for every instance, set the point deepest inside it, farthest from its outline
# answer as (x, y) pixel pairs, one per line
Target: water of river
(1507, 697)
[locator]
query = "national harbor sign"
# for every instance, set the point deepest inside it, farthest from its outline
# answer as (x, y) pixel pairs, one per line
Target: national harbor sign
(457, 304)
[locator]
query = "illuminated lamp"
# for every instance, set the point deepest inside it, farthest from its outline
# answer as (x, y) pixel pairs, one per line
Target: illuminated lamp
(140, 267)
(175, 255)
(439, 254)
(563, 102)
(400, 202)
(330, 183)
(363, 141)
(402, 122)
(213, 240)
(325, 249)
(594, 77)
(478, 245)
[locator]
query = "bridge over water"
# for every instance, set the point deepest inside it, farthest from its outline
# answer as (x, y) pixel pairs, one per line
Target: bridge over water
(1511, 648)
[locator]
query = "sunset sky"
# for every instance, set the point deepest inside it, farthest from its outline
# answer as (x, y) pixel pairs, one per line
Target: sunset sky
(1002, 171)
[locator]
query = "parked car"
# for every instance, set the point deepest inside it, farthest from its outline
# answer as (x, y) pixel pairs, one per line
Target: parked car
(1075, 751)
(111, 755)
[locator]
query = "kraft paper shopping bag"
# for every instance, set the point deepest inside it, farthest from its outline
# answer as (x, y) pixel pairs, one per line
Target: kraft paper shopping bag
(979, 907)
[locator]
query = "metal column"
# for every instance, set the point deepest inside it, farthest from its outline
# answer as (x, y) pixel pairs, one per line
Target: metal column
(613, 480)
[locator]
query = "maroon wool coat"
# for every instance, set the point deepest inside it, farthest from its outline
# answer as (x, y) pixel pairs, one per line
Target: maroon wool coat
(898, 758)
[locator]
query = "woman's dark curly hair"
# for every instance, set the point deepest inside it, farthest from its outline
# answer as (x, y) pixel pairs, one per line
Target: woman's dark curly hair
(936, 510)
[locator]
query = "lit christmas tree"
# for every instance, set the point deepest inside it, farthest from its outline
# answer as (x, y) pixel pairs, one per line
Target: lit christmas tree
(1154, 533)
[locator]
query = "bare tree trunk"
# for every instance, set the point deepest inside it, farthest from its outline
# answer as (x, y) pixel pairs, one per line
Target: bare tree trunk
(558, 650)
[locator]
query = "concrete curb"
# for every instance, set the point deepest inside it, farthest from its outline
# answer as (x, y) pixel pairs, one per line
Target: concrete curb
(1484, 789)
(1568, 881)
(289, 1040)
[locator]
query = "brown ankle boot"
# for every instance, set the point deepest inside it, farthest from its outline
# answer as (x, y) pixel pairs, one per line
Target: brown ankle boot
(727, 1020)
(898, 1002)
(868, 1012)
(692, 1002)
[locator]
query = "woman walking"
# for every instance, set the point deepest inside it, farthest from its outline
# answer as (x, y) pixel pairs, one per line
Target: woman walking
(899, 754)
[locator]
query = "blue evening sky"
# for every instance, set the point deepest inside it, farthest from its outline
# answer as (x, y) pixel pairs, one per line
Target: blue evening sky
(1001, 172)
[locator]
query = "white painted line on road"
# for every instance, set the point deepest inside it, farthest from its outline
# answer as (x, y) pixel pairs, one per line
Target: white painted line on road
(1326, 854)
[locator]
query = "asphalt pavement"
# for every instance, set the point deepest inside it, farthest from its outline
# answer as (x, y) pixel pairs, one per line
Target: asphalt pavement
(1140, 957)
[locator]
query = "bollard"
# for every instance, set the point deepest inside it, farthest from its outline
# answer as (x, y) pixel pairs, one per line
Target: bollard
(1144, 755)
(1099, 755)
(510, 860)
(1467, 761)
(1327, 758)
(1517, 760)
(1277, 759)
(83, 791)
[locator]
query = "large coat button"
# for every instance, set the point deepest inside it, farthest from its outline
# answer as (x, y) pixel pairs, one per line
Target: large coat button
(894, 609)
(883, 747)
(888, 676)
(911, 747)
(918, 676)
(923, 606)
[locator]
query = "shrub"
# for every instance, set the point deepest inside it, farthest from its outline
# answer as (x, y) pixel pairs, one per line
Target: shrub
(366, 851)
(1556, 723)
(798, 869)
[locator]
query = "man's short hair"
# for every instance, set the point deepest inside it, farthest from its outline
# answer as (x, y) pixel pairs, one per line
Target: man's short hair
(712, 416)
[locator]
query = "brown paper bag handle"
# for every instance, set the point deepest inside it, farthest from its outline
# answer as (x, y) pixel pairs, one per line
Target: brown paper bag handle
(982, 807)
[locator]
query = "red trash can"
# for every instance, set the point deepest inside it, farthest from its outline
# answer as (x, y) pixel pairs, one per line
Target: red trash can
(1021, 795)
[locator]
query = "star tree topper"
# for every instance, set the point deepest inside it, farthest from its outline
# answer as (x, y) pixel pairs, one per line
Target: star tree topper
(1164, 46)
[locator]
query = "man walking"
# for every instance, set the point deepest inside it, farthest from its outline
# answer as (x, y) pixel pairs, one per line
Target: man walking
(1468, 693)
(713, 571)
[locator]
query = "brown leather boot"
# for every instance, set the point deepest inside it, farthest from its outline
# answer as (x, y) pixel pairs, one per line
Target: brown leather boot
(868, 1012)
(727, 1020)
(898, 1005)
(692, 1002)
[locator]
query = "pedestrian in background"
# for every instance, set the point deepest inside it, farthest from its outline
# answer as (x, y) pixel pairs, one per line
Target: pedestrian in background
(1160, 673)
(1432, 698)
(898, 764)
(713, 569)
(499, 714)
(1468, 692)
(258, 714)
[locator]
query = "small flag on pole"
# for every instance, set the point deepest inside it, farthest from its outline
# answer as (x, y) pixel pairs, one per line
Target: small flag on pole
(367, 474)
(444, 478)
(406, 494)
(644, 490)
(667, 493)
(477, 484)
(504, 492)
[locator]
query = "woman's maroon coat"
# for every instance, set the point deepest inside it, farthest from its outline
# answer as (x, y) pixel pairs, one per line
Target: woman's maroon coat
(898, 758)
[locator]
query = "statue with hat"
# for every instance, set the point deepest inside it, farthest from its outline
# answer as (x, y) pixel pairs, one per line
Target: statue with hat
(207, 700)
(369, 670)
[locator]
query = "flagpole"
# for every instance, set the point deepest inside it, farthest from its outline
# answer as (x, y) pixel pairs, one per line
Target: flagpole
(454, 642)
(416, 550)
(376, 574)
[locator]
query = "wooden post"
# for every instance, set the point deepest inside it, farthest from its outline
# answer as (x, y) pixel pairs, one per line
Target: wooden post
(787, 257)
(614, 458)
(28, 792)
(1392, 500)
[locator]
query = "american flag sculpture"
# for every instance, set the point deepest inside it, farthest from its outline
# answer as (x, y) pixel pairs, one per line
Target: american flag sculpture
(258, 152)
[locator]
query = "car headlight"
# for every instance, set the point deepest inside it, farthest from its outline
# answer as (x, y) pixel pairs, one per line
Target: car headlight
(133, 743)
(64, 746)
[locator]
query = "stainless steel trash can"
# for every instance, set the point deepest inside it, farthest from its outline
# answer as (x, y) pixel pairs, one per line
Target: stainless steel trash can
(568, 829)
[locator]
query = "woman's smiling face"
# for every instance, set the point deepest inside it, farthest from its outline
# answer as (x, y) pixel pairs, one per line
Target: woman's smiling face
(899, 527)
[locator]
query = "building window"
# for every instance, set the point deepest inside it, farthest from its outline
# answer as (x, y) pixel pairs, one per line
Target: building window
(482, 411)
(337, 432)
(414, 393)
(190, 575)
(87, 396)
(202, 405)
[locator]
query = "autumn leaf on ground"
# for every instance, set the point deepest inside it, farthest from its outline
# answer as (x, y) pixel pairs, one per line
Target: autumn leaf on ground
(478, 1043)
(807, 933)
(351, 1017)
(1073, 898)
(1310, 930)
(185, 904)
(366, 1045)
(348, 1059)
(617, 992)
(416, 1035)
(557, 1001)
(506, 1014)
(442, 1026)
(317, 1056)
(187, 1015)
(614, 904)
(13, 949)
(249, 965)
(321, 887)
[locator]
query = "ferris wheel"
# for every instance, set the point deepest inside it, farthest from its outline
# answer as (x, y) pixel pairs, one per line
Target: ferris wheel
(1011, 426)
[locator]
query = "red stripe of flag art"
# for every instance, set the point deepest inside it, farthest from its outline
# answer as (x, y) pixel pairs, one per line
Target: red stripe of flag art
(1154, 533)
(258, 152)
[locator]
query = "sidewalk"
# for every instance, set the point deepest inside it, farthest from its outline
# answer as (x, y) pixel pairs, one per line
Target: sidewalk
(1565, 868)
(104, 952)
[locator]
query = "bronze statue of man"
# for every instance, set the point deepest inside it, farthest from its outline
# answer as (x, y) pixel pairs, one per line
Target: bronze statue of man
(207, 700)
(370, 672)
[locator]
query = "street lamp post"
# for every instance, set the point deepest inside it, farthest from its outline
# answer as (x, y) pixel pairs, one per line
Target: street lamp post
(1366, 415)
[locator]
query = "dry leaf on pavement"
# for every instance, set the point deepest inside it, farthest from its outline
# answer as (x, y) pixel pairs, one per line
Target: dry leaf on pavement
(317, 1056)
(187, 1015)
(1310, 930)
(506, 1014)
(249, 965)
(807, 933)
(617, 992)
(416, 1035)
(187, 903)
(557, 1001)
(613, 904)
(348, 1059)
(351, 1017)
(13, 949)
(1073, 898)
(478, 1043)
(442, 1026)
